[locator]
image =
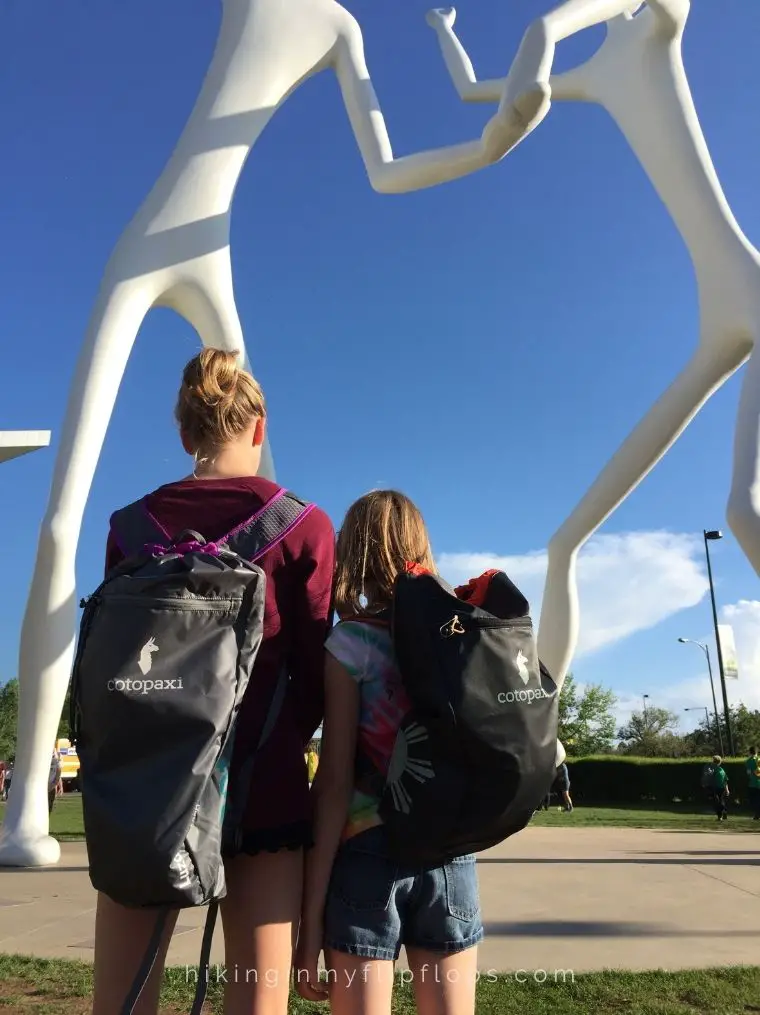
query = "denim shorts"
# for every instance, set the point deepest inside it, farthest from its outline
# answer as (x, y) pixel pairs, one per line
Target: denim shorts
(375, 906)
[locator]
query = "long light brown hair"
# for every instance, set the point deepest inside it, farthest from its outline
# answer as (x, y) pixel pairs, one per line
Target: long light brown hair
(380, 533)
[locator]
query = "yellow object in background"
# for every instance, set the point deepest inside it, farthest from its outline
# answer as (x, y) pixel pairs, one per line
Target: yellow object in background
(69, 762)
(312, 761)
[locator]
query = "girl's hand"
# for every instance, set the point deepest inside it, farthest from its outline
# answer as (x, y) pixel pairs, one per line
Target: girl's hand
(308, 984)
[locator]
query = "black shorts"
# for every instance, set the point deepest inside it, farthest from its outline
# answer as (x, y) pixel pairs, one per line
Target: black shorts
(272, 840)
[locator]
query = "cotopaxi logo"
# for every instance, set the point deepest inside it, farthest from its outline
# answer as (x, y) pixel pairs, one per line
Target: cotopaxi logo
(528, 696)
(144, 686)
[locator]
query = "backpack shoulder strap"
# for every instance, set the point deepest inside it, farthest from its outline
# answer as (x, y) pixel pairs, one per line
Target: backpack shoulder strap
(268, 527)
(134, 526)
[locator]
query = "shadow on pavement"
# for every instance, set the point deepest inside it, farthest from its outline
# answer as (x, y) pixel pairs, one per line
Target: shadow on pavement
(710, 860)
(602, 929)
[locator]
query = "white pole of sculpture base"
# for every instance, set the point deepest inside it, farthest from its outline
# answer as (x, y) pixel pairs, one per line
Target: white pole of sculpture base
(175, 253)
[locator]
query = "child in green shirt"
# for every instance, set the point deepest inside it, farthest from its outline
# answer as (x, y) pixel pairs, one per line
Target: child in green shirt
(718, 786)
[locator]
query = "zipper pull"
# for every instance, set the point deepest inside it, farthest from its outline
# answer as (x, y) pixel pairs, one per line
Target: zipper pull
(452, 627)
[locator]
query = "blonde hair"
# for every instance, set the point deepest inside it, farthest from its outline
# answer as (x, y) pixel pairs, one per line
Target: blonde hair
(218, 401)
(380, 533)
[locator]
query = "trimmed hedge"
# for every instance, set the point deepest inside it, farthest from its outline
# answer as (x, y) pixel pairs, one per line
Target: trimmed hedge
(615, 780)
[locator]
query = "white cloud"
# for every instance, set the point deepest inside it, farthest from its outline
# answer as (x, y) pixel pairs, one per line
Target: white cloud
(696, 693)
(627, 582)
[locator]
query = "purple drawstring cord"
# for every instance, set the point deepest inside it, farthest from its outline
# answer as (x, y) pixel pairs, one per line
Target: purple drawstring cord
(156, 550)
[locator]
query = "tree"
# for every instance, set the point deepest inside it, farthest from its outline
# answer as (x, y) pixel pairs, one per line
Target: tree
(586, 720)
(568, 710)
(651, 734)
(8, 719)
(64, 731)
(703, 741)
(745, 726)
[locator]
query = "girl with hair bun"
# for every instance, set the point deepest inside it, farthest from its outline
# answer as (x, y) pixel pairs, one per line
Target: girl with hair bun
(221, 416)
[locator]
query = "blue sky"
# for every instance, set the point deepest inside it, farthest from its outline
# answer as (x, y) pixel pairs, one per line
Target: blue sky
(484, 346)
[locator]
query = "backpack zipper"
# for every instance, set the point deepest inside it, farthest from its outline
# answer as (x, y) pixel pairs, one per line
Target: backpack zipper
(458, 625)
(74, 713)
(181, 603)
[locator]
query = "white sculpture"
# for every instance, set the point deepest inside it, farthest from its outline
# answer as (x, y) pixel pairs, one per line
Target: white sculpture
(638, 76)
(14, 443)
(175, 253)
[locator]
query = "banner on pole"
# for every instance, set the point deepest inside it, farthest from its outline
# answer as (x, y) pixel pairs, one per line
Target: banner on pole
(728, 651)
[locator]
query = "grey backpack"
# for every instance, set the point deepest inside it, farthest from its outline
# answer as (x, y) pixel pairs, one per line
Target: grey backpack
(166, 648)
(708, 776)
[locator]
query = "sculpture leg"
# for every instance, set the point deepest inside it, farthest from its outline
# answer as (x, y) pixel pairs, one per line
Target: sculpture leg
(202, 294)
(47, 637)
(654, 435)
(744, 503)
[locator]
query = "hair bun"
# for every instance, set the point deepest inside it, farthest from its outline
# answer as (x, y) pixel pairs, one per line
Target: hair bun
(217, 400)
(217, 378)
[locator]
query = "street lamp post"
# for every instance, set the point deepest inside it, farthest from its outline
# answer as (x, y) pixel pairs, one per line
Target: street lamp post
(645, 696)
(711, 535)
(701, 708)
(706, 650)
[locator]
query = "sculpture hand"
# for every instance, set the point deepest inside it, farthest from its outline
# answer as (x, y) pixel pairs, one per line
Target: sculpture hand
(526, 98)
(515, 119)
(441, 17)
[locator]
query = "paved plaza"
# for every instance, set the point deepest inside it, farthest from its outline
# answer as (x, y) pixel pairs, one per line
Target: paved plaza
(553, 899)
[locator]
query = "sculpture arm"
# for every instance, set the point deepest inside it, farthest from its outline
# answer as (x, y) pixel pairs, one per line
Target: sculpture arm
(458, 62)
(412, 172)
(567, 19)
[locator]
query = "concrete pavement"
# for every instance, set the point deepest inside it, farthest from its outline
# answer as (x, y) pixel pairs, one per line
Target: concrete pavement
(577, 899)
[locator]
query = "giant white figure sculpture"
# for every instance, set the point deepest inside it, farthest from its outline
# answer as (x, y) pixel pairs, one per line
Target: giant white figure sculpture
(638, 76)
(175, 253)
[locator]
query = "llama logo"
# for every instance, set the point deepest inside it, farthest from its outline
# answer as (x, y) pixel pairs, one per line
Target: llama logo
(522, 667)
(146, 656)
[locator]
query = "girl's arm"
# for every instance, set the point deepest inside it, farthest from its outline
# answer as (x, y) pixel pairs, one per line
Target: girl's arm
(332, 789)
(312, 619)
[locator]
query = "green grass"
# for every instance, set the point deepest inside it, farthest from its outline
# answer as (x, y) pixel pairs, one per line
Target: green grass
(64, 988)
(67, 825)
(66, 822)
(685, 818)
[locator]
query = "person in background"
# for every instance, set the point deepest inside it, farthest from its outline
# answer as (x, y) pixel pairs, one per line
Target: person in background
(3, 767)
(752, 766)
(719, 788)
(562, 787)
(55, 782)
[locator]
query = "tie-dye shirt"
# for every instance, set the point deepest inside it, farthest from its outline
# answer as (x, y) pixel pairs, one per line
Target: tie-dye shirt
(366, 652)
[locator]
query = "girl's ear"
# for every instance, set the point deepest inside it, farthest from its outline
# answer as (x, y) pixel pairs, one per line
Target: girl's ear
(186, 444)
(260, 432)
